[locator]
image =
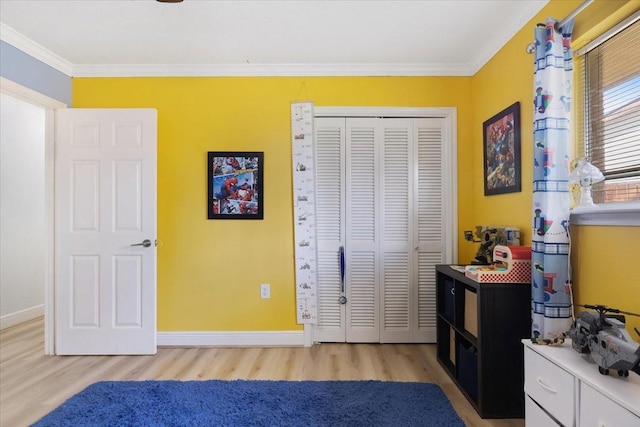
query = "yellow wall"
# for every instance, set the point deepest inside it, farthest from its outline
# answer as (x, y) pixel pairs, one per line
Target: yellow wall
(209, 272)
(601, 256)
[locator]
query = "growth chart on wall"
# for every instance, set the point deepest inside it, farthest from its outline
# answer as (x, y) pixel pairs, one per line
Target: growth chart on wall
(304, 211)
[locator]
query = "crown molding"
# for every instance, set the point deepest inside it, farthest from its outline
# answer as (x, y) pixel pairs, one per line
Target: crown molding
(276, 70)
(28, 46)
(16, 39)
(506, 32)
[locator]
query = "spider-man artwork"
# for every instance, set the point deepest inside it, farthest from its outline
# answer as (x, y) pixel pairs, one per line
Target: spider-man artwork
(235, 185)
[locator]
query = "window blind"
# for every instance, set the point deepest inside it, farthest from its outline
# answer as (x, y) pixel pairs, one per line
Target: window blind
(609, 78)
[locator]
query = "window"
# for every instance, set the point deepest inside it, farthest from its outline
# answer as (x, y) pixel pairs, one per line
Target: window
(609, 75)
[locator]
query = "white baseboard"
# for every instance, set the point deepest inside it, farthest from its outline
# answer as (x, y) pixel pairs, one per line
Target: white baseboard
(18, 317)
(232, 339)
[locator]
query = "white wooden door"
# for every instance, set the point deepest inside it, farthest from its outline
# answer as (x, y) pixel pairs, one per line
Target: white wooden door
(432, 219)
(330, 228)
(413, 236)
(381, 197)
(348, 306)
(362, 223)
(105, 208)
(396, 230)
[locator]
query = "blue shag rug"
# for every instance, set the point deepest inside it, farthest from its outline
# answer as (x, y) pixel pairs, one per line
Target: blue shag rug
(255, 403)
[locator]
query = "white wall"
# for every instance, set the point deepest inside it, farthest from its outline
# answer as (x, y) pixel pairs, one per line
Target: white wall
(22, 211)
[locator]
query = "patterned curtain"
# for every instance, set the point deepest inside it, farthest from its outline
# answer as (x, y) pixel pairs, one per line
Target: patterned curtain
(550, 286)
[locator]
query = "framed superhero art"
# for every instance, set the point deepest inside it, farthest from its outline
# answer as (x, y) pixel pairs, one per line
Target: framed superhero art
(234, 189)
(501, 147)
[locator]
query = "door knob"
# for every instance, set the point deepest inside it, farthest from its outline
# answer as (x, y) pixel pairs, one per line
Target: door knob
(146, 243)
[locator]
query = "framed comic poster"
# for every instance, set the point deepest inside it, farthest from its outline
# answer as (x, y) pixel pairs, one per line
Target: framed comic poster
(234, 189)
(501, 147)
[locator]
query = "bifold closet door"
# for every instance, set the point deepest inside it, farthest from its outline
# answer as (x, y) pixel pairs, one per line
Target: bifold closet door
(432, 221)
(379, 197)
(412, 231)
(348, 304)
(330, 227)
(362, 278)
(396, 231)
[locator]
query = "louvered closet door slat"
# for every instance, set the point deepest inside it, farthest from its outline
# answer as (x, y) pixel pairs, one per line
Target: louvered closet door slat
(430, 201)
(430, 195)
(330, 137)
(329, 142)
(362, 293)
(361, 246)
(426, 324)
(396, 181)
(396, 279)
(361, 193)
(330, 311)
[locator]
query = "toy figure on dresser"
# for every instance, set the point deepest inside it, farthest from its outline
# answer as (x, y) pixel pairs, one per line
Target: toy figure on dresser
(489, 237)
(606, 340)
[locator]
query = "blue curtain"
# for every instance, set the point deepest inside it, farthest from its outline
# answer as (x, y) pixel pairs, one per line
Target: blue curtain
(552, 79)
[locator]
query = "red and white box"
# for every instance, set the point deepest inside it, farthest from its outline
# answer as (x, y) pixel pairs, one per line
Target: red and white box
(511, 264)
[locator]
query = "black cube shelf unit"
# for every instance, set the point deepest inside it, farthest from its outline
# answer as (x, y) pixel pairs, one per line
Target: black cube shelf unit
(479, 330)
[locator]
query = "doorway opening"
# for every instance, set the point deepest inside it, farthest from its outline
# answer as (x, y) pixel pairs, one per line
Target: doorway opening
(49, 105)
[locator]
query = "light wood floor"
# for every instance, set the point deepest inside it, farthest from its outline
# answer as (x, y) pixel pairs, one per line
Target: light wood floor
(32, 384)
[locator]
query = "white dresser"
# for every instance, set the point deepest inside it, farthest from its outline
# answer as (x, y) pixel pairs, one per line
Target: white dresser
(562, 384)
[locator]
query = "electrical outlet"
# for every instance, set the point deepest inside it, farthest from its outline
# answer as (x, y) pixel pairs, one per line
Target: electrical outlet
(265, 291)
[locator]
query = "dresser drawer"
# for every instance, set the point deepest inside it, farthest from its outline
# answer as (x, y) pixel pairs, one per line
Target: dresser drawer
(597, 410)
(536, 416)
(550, 386)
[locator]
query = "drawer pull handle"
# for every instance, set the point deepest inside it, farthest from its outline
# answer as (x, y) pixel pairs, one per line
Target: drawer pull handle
(545, 386)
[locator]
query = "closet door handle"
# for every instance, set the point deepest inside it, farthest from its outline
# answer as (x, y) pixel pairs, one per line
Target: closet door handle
(343, 298)
(342, 268)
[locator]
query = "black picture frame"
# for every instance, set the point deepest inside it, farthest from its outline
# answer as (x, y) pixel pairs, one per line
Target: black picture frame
(501, 152)
(235, 184)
